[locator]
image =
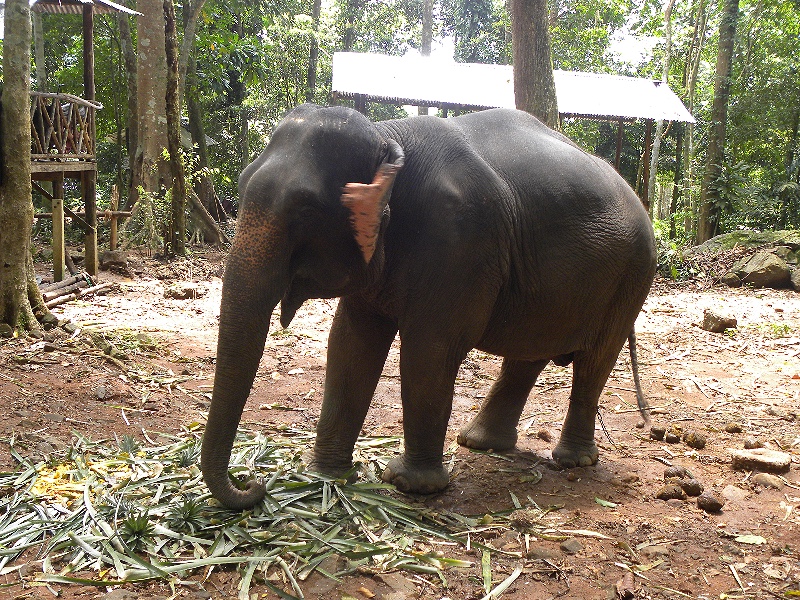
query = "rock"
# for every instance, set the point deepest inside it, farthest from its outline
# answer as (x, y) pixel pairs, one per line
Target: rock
(695, 440)
(656, 551)
(5, 330)
(100, 342)
(749, 239)
(794, 278)
(116, 259)
(657, 432)
(760, 459)
(186, 290)
(70, 328)
(571, 546)
(733, 493)
(538, 552)
(545, 435)
(56, 418)
(786, 253)
(36, 334)
(767, 480)
(717, 323)
(710, 501)
(763, 269)
(672, 437)
(733, 428)
(731, 280)
(101, 392)
(676, 472)
(119, 594)
(671, 491)
(50, 318)
(629, 478)
(398, 583)
(523, 519)
(751, 443)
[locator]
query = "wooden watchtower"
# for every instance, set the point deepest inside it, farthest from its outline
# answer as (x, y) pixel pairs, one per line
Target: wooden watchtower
(63, 135)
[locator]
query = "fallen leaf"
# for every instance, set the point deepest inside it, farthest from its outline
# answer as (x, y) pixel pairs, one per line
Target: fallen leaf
(750, 539)
(605, 503)
(625, 587)
(365, 592)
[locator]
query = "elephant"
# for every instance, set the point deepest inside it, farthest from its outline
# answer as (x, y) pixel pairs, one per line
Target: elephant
(488, 230)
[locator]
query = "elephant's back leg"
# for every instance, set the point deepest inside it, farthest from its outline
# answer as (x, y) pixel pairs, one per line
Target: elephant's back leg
(590, 371)
(495, 425)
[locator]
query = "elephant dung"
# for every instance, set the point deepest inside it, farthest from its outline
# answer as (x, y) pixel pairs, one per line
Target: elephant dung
(760, 459)
(716, 323)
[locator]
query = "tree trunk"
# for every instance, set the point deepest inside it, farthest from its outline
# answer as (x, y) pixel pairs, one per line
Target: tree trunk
(534, 86)
(709, 213)
(132, 120)
(427, 38)
(20, 297)
(191, 12)
(351, 13)
(313, 54)
(38, 44)
(177, 228)
(690, 83)
(676, 189)
(665, 81)
(151, 68)
(204, 188)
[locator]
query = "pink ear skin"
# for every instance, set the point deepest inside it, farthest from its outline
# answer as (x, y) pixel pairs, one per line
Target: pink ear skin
(366, 202)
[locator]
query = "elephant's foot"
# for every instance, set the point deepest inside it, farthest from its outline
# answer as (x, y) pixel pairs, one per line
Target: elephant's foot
(569, 454)
(332, 469)
(481, 436)
(415, 480)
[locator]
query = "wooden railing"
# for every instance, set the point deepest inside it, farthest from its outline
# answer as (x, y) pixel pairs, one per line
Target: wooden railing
(62, 127)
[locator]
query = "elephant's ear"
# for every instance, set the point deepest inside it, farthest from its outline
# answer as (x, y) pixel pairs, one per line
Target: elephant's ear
(367, 201)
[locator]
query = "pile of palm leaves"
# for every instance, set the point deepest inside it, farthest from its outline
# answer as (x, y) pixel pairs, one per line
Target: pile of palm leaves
(105, 513)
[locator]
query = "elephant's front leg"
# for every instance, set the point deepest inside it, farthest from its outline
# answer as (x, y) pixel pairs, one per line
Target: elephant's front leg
(357, 348)
(428, 372)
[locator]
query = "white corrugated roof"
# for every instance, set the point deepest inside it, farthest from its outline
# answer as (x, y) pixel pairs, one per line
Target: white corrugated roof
(102, 7)
(418, 80)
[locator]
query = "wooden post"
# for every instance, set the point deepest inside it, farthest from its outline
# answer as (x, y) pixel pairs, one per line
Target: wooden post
(648, 143)
(58, 238)
(89, 192)
(114, 207)
(361, 103)
(618, 157)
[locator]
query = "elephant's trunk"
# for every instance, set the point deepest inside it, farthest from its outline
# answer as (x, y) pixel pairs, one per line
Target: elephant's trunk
(255, 280)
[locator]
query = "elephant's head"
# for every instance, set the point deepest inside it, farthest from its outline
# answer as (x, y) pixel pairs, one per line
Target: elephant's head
(313, 206)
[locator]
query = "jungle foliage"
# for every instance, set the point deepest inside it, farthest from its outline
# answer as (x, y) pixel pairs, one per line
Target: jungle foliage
(253, 60)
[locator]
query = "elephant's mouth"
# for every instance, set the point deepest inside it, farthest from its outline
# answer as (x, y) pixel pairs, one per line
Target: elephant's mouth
(303, 288)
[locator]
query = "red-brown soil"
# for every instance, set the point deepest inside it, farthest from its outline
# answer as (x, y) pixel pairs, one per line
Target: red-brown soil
(699, 380)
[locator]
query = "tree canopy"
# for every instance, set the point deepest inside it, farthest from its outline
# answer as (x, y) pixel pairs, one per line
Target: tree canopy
(252, 66)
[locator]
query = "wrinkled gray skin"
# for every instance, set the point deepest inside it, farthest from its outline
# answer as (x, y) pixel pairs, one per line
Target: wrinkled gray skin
(501, 235)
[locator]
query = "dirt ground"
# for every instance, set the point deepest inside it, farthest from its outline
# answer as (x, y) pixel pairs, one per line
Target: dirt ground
(693, 379)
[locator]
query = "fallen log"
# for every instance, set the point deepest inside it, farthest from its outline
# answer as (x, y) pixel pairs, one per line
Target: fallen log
(78, 294)
(63, 291)
(82, 276)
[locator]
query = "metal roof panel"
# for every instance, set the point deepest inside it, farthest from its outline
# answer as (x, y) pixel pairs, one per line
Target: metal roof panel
(419, 80)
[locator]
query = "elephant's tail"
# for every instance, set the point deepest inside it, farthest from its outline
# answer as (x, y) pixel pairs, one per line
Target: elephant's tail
(644, 408)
